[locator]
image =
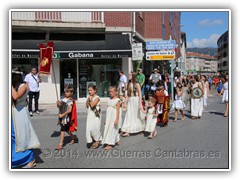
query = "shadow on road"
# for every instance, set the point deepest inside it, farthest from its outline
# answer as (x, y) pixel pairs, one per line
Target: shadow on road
(217, 113)
(37, 153)
(55, 134)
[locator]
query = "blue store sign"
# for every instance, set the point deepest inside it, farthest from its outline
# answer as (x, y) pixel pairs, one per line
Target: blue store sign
(161, 45)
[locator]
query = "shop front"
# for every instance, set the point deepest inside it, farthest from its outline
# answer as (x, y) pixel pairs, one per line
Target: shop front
(80, 63)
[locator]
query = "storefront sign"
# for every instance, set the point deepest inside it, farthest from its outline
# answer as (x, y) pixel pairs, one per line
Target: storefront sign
(77, 55)
(16, 54)
(97, 54)
(161, 45)
(137, 53)
(80, 55)
(160, 55)
(56, 56)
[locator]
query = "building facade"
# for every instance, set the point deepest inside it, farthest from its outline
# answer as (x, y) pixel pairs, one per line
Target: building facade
(201, 63)
(89, 47)
(223, 53)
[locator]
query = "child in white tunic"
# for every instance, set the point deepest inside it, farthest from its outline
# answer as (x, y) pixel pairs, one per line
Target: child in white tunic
(151, 118)
(206, 90)
(123, 107)
(111, 135)
(224, 91)
(178, 104)
(93, 125)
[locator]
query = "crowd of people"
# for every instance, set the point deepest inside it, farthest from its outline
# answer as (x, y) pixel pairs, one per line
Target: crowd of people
(146, 102)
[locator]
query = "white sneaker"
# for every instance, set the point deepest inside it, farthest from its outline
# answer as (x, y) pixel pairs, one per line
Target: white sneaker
(31, 113)
(37, 112)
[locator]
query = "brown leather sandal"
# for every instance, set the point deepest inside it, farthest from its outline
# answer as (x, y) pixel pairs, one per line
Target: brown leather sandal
(96, 145)
(108, 147)
(30, 165)
(72, 142)
(125, 134)
(59, 147)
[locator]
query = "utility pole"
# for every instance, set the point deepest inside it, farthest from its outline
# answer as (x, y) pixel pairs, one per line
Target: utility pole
(172, 74)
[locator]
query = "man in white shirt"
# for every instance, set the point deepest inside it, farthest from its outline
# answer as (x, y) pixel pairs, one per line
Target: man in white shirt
(32, 80)
(123, 84)
(154, 79)
(155, 76)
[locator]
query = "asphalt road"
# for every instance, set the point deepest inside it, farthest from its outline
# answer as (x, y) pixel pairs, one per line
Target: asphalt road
(183, 144)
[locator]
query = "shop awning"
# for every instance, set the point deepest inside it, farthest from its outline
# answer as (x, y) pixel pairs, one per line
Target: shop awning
(112, 46)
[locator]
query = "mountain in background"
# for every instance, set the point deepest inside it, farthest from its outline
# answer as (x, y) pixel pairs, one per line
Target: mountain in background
(211, 51)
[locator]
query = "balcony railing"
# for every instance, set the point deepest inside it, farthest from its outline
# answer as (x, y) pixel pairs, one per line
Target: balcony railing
(48, 16)
(54, 16)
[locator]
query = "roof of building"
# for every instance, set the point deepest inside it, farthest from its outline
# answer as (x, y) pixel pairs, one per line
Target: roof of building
(203, 56)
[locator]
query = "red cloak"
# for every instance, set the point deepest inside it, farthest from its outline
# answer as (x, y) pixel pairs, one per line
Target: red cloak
(73, 118)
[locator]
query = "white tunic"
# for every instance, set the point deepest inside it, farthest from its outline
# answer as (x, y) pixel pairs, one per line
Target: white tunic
(120, 121)
(93, 125)
(225, 92)
(178, 103)
(132, 121)
(196, 104)
(205, 97)
(151, 120)
(111, 135)
(26, 137)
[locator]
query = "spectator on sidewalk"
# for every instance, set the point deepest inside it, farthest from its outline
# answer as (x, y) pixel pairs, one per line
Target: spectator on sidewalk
(209, 82)
(122, 84)
(154, 79)
(141, 79)
(32, 80)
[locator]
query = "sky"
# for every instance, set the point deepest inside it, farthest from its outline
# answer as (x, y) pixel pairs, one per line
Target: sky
(203, 28)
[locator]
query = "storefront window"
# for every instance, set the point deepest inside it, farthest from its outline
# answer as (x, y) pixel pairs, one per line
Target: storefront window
(102, 73)
(24, 65)
(68, 75)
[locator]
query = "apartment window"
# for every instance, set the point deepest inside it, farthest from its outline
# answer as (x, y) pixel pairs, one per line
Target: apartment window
(224, 54)
(225, 63)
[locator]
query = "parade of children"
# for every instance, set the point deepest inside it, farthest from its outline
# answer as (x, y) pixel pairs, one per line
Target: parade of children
(130, 110)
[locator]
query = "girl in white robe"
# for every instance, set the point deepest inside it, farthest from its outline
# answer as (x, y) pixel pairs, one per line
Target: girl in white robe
(196, 104)
(224, 91)
(151, 116)
(178, 104)
(111, 135)
(93, 125)
(133, 123)
(206, 90)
